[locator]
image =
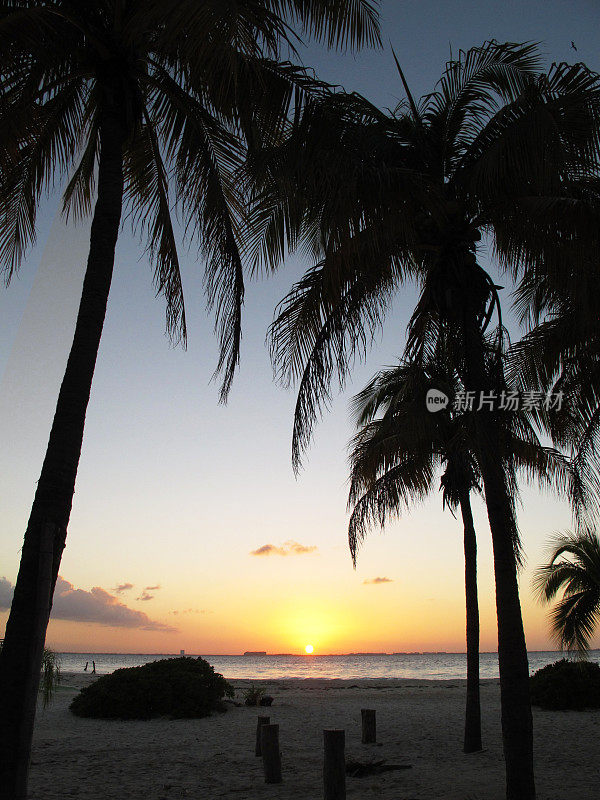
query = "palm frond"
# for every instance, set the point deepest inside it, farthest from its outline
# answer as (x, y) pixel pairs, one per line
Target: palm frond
(396, 490)
(574, 567)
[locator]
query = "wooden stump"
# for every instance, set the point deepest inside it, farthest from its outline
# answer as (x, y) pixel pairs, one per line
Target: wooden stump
(261, 721)
(269, 745)
(369, 726)
(334, 765)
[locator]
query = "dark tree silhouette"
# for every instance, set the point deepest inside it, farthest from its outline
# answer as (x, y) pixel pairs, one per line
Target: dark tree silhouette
(145, 104)
(400, 450)
(574, 568)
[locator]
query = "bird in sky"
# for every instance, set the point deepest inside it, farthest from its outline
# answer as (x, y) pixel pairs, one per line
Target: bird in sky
(573, 45)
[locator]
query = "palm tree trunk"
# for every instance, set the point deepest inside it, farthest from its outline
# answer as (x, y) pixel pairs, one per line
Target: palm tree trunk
(517, 722)
(472, 742)
(21, 654)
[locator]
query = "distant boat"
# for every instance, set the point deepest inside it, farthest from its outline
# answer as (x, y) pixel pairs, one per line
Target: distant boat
(255, 653)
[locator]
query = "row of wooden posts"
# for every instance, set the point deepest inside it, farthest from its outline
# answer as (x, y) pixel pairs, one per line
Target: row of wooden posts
(334, 758)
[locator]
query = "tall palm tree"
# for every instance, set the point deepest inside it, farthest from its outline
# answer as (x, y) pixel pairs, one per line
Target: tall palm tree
(395, 459)
(144, 105)
(497, 150)
(574, 568)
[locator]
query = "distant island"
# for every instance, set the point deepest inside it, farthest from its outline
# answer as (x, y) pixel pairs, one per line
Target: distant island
(255, 653)
(367, 654)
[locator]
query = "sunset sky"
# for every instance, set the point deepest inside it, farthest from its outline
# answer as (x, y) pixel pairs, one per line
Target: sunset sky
(189, 529)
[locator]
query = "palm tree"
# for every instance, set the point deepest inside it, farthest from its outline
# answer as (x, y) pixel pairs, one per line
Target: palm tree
(574, 567)
(144, 105)
(396, 457)
(497, 151)
(394, 462)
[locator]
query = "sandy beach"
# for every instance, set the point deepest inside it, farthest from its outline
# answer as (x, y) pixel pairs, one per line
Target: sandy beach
(419, 723)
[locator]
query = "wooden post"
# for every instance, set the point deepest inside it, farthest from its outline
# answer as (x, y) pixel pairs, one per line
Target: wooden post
(334, 765)
(369, 726)
(269, 745)
(261, 721)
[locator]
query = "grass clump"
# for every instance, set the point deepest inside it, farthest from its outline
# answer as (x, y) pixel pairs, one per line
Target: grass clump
(174, 687)
(50, 676)
(566, 685)
(253, 696)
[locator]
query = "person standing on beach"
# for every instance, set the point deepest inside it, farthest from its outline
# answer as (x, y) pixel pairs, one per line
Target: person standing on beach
(86, 666)
(93, 667)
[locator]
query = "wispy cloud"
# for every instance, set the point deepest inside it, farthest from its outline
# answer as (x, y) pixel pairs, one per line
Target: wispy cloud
(152, 588)
(378, 580)
(145, 596)
(289, 548)
(123, 587)
(96, 606)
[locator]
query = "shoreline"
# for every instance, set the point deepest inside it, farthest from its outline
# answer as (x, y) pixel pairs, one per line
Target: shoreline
(75, 680)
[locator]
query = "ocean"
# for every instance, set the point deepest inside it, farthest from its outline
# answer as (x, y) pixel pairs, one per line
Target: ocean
(425, 666)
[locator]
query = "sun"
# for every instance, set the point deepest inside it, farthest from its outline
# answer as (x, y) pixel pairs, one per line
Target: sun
(309, 649)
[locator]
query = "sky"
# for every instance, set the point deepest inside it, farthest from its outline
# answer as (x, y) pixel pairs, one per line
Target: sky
(189, 529)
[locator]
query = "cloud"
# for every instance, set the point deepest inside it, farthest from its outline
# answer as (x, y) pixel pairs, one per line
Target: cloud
(6, 592)
(96, 607)
(123, 587)
(289, 548)
(145, 596)
(379, 580)
(152, 588)
(296, 549)
(268, 550)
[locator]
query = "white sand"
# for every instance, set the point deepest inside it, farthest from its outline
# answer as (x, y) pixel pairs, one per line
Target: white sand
(418, 723)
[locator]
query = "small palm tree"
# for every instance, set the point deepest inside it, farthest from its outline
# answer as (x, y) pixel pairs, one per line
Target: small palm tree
(395, 459)
(574, 568)
(146, 106)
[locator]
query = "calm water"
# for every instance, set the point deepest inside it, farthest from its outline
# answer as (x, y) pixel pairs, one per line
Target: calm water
(431, 666)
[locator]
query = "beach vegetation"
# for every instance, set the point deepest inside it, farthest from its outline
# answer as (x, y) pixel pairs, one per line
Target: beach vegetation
(566, 686)
(253, 696)
(51, 676)
(138, 109)
(173, 687)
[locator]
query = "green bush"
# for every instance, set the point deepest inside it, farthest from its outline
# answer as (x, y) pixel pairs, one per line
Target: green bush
(566, 685)
(173, 687)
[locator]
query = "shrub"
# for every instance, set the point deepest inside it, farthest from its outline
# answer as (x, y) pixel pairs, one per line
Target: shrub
(566, 685)
(253, 696)
(173, 687)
